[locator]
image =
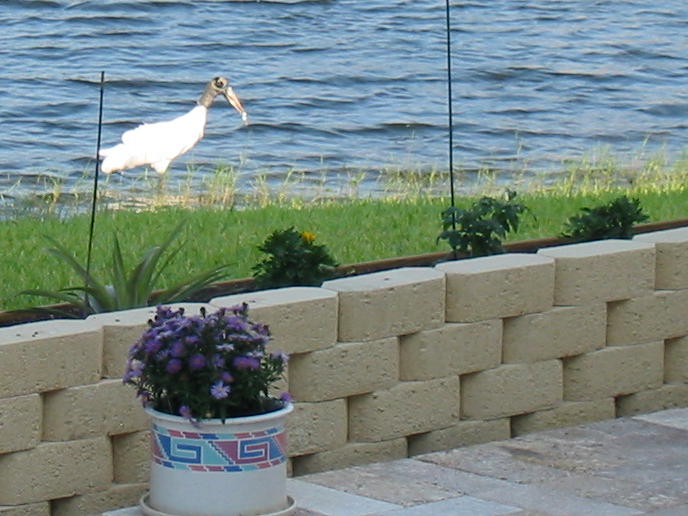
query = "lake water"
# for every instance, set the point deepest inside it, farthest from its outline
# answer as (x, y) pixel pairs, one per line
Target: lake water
(340, 87)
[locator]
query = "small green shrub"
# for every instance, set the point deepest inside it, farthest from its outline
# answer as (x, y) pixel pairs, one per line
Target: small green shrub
(293, 259)
(479, 229)
(126, 290)
(612, 220)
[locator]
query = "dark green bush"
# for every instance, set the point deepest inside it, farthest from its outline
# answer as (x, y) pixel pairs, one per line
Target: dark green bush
(293, 259)
(479, 229)
(612, 220)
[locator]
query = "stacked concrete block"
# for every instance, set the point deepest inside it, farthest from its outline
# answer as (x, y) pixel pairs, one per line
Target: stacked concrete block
(660, 315)
(49, 355)
(498, 286)
(316, 427)
(31, 509)
(389, 303)
(557, 333)
(405, 409)
(614, 371)
(605, 270)
(351, 454)
(463, 433)
(676, 361)
(568, 413)
(347, 369)
(671, 247)
(511, 389)
(452, 350)
(55, 470)
(92, 410)
(301, 319)
(20, 423)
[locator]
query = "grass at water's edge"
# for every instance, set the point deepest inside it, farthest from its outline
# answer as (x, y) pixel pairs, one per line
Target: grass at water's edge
(354, 231)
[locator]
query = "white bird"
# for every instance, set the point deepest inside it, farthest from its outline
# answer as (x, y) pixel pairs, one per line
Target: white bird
(160, 143)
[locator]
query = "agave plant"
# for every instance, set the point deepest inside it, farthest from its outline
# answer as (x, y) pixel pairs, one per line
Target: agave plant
(126, 290)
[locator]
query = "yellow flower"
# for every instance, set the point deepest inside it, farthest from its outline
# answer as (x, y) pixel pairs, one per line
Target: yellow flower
(308, 237)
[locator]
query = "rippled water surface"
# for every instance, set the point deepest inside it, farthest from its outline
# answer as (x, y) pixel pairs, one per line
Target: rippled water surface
(342, 85)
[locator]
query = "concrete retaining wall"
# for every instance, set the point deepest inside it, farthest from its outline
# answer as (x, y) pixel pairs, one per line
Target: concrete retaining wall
(383, 366)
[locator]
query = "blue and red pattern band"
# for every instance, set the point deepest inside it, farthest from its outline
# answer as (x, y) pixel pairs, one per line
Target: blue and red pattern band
(198, 451)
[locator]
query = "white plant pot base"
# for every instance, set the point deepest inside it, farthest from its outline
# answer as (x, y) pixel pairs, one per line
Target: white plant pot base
(147, 510)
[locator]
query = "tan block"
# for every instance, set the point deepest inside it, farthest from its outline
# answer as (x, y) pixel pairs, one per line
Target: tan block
(405, 409)
(498, 286)
(315, 427)
(351, 454)
(121, 330)
(453, 349)
(613, 371)
(511, 389)
(464, 433)
(20, 422)
(106, 408)
(344, 370)
(557, 333)
(568, 413)
(94, 504)
(661, 315)
(55, 470)
(49, 355)
(671, 247)
(676, 360)
(131, 457)
(666, 397)
(604, 270)
(301, 319)
(389, 303)
(31, 509)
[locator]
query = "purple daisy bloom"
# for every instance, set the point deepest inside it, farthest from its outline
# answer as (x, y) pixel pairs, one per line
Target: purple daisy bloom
(286, 397)
(174, 366)
(246, 363)
(219, 390)
(281, 355)
(227, 377)
(197, 362)
(178, 349)
(185, 411)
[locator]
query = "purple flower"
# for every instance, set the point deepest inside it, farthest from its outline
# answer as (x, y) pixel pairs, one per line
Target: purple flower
(174, 366)
(218, 361)
(286, 397)
(134, 370)
(153, 345)
(280, 355)
(185, 411)
(178, 349)
(227, 377)
(192, 340)
(197, 362)
(219, 390)
(246, 363)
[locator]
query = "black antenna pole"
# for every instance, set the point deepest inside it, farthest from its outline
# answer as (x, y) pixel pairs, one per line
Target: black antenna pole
(95, 180)
(451, 117)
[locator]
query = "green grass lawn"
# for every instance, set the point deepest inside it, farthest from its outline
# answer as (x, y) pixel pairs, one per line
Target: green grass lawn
(354, 231)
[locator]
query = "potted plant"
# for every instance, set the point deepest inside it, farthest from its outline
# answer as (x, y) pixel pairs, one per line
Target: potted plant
(217, 432)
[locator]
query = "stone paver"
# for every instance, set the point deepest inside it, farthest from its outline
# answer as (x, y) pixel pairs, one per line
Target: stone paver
(620, 467)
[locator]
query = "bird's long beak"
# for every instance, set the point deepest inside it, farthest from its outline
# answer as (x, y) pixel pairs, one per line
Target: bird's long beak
(236, 103)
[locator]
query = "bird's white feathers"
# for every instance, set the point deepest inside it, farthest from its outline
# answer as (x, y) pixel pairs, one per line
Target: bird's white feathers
(156, 144)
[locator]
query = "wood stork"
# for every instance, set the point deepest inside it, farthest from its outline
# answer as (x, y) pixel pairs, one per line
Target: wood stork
(160, 143)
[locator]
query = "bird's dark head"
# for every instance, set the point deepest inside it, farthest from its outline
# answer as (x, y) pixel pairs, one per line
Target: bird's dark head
(220, 86)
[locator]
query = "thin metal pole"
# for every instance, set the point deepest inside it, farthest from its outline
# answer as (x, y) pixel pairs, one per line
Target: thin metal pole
(95, 179)
(450, 111)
